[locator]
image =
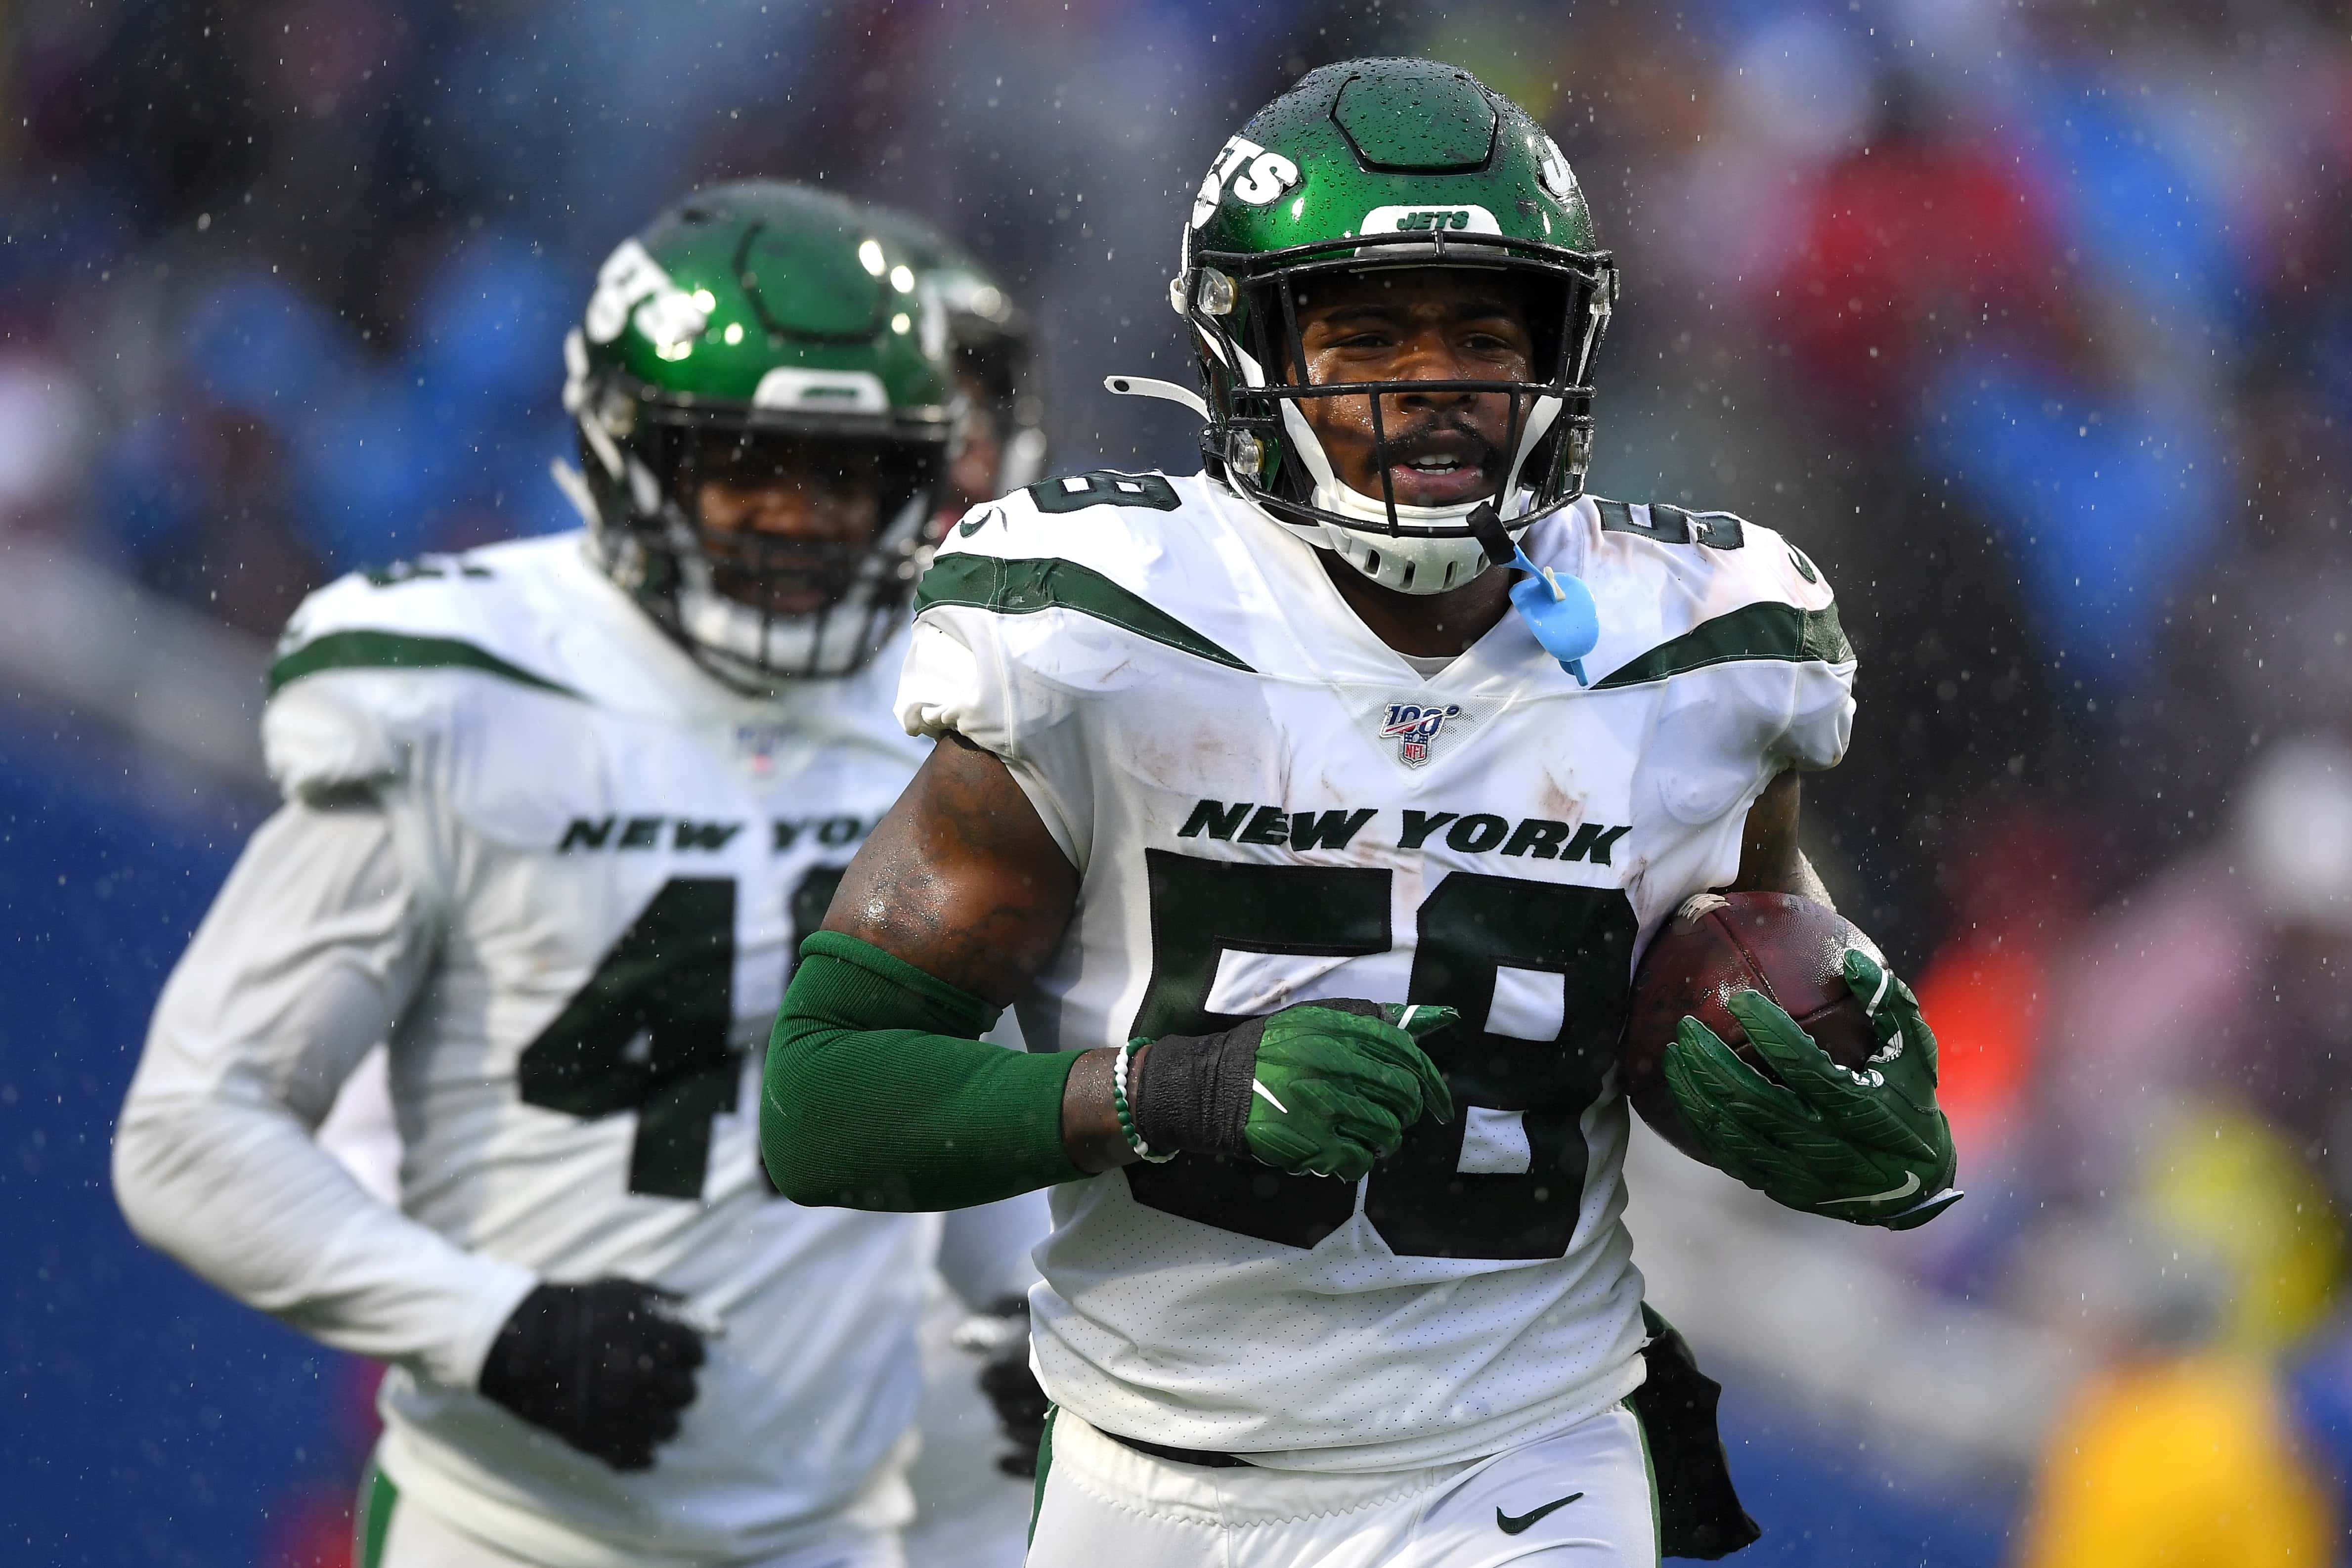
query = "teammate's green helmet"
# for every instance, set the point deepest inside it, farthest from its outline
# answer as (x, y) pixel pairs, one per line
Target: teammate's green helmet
(1374, 165)
(755, 327)
(990, 336)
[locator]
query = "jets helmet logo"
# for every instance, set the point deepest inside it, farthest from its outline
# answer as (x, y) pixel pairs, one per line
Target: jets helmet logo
(1414, 728)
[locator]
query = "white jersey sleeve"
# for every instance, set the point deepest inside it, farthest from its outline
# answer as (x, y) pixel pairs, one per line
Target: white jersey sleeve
(1028, 618)
(958, 677)
(309, 956)
(1737, 634)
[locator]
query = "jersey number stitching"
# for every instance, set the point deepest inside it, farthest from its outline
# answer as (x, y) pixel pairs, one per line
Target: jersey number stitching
(1104, 487)
(1469, 928)
(649, 1033)
(1672, 525)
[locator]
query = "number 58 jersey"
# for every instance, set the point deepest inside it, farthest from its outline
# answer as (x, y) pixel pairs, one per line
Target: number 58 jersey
(1267, 806)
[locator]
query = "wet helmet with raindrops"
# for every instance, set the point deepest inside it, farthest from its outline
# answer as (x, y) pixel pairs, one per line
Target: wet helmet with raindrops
(1372, 165)
(750, 321)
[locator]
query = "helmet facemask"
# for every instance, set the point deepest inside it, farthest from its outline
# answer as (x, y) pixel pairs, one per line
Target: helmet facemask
(754, 604)
(1244, 308)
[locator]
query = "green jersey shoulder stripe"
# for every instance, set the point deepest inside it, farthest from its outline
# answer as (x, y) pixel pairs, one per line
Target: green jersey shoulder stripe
(1765, 631)
(1022, 587)
(398, 650)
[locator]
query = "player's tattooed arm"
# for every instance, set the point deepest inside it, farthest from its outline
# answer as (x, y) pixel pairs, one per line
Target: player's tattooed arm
(960, 878)
(963, 881)
(1770, 859)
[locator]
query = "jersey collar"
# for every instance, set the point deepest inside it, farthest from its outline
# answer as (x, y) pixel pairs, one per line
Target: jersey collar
(1330, 642)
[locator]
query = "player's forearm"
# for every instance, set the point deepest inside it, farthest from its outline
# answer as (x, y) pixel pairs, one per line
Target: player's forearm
(309, 955)
(1797, 877)
(238, 1192)
(1770, 861)
(880, 1093)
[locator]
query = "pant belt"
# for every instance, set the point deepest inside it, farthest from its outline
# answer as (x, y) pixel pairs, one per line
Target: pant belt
(1201, 1456)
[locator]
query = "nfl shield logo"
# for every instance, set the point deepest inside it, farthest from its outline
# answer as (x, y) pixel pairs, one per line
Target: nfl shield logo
(757, 745)
(1414, 728)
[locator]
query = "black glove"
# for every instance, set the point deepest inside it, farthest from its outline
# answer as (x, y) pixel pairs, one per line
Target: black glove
(1002, 1334)
(607, 1366)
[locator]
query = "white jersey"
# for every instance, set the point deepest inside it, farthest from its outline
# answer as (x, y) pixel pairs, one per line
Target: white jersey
(1266, 806)
(560, 870)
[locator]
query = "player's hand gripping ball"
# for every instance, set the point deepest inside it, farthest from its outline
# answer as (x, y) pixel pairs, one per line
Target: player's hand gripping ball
(1321, 1089)
(1851, 1130)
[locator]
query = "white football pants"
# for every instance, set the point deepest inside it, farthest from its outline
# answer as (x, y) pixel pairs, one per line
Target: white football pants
(1584, 1499)
(394, 1532)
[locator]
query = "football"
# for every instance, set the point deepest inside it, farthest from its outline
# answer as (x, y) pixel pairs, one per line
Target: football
(1790, 949)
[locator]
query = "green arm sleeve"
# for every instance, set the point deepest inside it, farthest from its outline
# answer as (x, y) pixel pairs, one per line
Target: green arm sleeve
(880, 1093)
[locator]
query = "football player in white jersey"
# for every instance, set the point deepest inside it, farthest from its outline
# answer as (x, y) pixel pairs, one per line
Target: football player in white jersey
(557, 812)
(1312, 811)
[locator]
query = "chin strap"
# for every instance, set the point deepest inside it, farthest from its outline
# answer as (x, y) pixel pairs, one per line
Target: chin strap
(1333, 495)
(1486, 527)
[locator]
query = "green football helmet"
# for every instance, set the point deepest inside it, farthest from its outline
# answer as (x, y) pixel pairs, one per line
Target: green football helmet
(991, 338)
(752, 327)
(1380, 164)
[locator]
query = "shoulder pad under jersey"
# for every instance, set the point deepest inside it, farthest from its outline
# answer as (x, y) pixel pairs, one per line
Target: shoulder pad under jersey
(376, 662)
(1679, 590)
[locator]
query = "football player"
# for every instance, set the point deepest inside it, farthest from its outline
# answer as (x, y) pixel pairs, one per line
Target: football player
(1312, 809)
(556, 813)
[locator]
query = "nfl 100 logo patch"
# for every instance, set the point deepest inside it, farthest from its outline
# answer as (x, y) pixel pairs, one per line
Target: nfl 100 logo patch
(759, 747)
(1415, 728)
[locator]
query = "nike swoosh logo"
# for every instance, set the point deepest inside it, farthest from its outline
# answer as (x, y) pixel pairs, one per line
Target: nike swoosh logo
(1910, 1184)
(1258, 1088)
(971, 526)
(1510, 1526)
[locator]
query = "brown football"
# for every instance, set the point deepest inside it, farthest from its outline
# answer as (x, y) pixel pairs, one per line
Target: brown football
(1790, 949)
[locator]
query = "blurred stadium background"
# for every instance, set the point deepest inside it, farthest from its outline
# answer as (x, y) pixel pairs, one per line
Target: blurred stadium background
(2032, 322)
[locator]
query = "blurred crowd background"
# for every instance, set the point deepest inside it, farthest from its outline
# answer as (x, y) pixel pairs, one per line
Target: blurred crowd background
(2031, 321)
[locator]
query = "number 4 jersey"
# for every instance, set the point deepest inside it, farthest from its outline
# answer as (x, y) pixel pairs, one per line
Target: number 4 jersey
(1267, 805)
(561, 870)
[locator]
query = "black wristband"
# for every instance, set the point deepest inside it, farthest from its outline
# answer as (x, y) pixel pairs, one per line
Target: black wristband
(1191, 1092)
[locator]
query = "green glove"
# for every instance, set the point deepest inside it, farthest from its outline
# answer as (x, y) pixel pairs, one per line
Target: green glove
(1866, 1145)
(1322, 1088)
